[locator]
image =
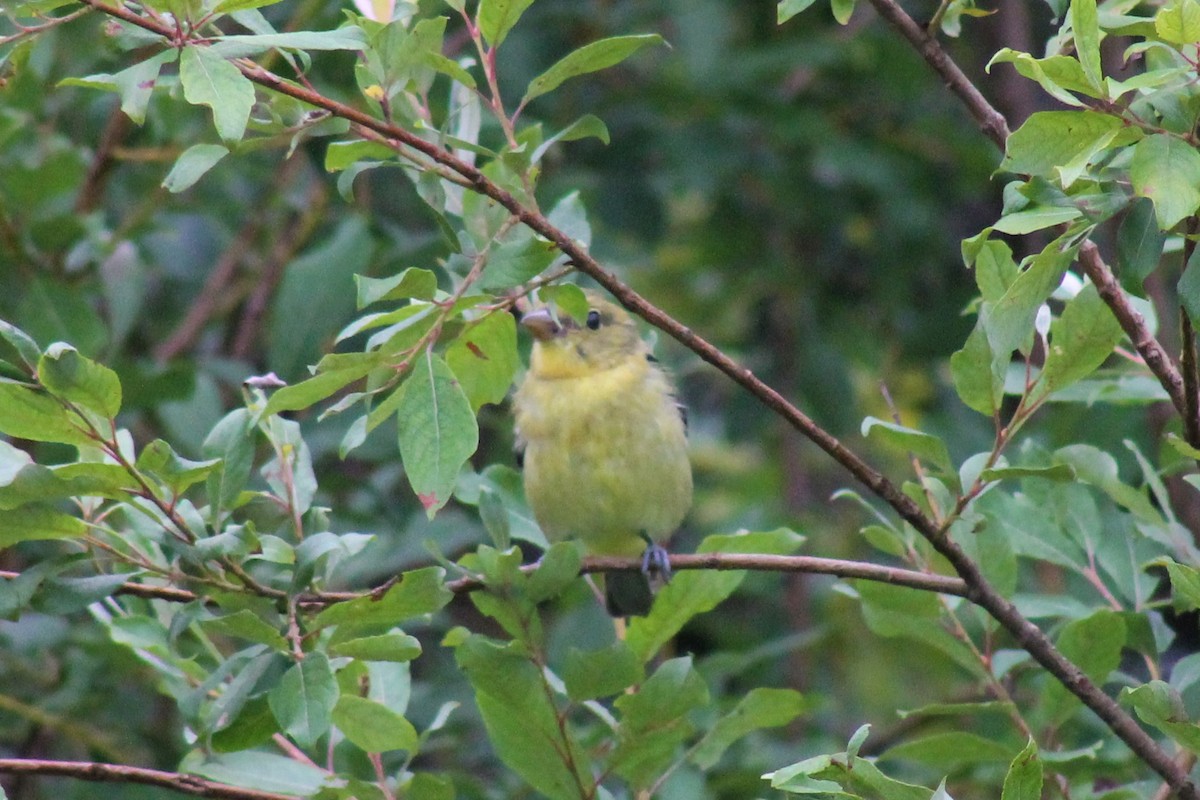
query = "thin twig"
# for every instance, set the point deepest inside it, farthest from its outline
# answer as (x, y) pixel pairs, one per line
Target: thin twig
(1134, 325)
(120, 773)
(896, 576)
(990, 121)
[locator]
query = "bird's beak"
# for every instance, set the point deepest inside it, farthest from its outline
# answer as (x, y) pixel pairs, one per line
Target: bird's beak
(542, 324)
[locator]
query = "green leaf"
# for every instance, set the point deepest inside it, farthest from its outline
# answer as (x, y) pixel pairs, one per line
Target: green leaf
(924, 446)
(790, 8)
(1185, 586)
(68, 595)
(696, 591)
(27, 413)
(245, 624)
(191, 166)
(582, 128)
(76, 379)
(948, 750)
(654, 720)
(1010, 323)
(759, 708)
(522, 723)
(304, 698)
(1178, 22)
(394, 646)
(438, 431)
(484, 358)
(229, 6)
(1139, 244)
(1085, 24)
(557, 569)
(209, 80)
(842, 10)
(1059, 143)
(995, 270)
(1081, 339)
(911, 614)
(1021, 222)
(1189, 287)
(589, 58)
(1096, 467)
(496, 18)
(135, 84)
(1158, 704)
(1094, 644)
(1059, 75)
(592, 674)
(23, 482)
(977, 372)
(256, 769)
(30, 523)
(308, 392)
(517, 260)
(244, 46)
(22, 342)
(418, 592)
(1055, 472)
(231, 441)
(341, 155)
(1167, 170)
(412, 282)
(373, 727)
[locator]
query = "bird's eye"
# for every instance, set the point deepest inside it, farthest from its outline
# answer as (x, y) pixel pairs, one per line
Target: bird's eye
(593, 319)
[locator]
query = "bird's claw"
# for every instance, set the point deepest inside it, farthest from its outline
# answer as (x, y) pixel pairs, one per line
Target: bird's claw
(657, 561)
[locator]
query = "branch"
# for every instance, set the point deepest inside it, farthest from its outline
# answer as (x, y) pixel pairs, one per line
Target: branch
(1134, 325)
(765, 563)
(990, 121)
(896, 576)
(979, 591)
(119, 773)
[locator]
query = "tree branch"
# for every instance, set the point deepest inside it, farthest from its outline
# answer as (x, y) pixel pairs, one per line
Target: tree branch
(1030, 637)
(119, 773)
(896, 576)
(1134, 325)
(991, 122)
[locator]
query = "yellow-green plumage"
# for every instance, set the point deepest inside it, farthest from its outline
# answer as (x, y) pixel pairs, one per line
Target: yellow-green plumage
(605, 444)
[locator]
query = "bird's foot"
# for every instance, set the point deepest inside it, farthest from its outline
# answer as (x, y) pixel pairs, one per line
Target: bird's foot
(657, 561)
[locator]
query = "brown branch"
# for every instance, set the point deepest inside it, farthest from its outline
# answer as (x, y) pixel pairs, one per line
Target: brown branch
(979, 591)
(990, 121)
(119, 773)
(896, 576)
(1134, 325)
(765, 563)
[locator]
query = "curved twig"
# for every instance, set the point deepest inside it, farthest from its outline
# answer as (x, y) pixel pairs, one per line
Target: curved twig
(119, 773)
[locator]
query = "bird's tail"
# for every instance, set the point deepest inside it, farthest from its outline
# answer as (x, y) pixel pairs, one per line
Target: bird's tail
(628, 594)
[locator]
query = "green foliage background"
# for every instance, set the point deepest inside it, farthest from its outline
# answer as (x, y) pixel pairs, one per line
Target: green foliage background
(797, 194)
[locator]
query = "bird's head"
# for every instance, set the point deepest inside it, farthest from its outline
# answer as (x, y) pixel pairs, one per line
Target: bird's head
(565, 348)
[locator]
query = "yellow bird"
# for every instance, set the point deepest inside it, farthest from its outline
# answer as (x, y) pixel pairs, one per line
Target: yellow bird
(605, 443)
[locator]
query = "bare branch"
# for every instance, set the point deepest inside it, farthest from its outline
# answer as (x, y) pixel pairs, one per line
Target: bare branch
(990, 121)
(896, 576)
(119, 773)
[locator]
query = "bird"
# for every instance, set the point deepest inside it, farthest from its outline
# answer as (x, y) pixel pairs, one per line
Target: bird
(605, 454)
